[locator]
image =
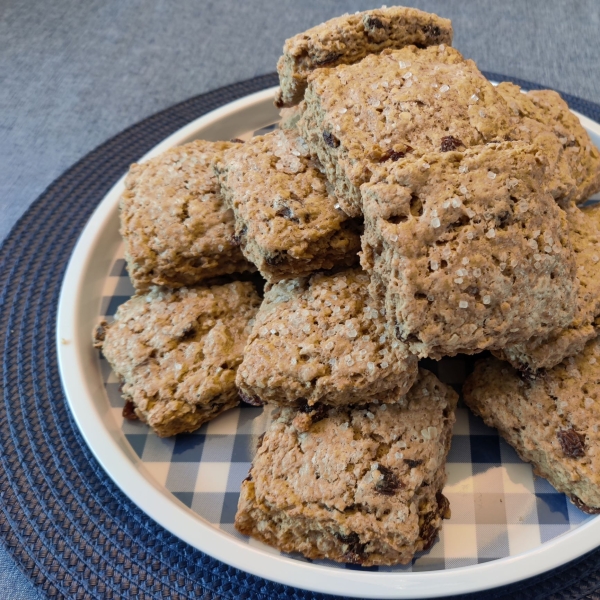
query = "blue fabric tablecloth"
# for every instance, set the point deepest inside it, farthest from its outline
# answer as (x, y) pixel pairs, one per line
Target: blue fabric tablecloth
(73, 74)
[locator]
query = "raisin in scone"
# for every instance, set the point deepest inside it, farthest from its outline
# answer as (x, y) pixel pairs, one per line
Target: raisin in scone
(286, 220)
(468, 250)
(176, 229)
(551, 420)
(360, 486)
(177, 352)
(400, 103)
(544, 118)
(349, 38)
(323, 340)
(546, 352)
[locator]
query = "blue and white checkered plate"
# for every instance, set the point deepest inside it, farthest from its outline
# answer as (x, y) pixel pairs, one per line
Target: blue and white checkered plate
(506, 524)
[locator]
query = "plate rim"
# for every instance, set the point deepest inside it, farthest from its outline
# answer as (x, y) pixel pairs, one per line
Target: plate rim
(76, 357)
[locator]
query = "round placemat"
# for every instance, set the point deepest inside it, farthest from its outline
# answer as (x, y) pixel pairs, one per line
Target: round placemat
(66, 524)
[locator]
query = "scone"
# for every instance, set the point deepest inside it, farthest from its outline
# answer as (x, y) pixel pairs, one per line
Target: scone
(349, 38)
(545, 118)
(361, 486)
(394, 105)
(177, 352)
(323, 340)
(176, 229)
(288, 117)
(286, 220)
(546, 352)
(468, 250)
(552, 420)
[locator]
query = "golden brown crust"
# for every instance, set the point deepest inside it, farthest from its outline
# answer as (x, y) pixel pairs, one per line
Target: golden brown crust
(177, 352)
(399, 104)
(286, 220)
(323, 340)
(551, 419)
(468, 249)
(177, 231)
(545, 119)
(349, 38)
(546, 352)
(359, 485)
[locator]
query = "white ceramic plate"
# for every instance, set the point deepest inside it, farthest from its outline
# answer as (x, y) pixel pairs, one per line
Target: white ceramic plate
(85, 386)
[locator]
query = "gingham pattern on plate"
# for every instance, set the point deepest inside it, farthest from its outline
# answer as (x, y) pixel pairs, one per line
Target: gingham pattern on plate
(499, 508)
